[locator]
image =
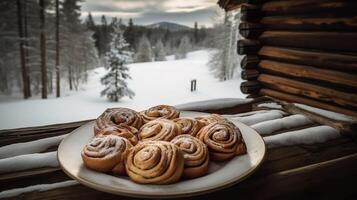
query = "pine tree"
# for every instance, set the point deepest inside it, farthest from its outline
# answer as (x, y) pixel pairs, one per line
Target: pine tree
(184, 48)
(144, 53)
(160, 54)
(115, 83)
(196, 33)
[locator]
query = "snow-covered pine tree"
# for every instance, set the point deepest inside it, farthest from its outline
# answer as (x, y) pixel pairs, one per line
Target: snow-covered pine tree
(118, 56)
(160, 54)
(184, 48)
(144, 53)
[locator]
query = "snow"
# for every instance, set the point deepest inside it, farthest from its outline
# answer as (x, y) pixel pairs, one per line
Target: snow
(317, 134)
(260, 117)
(28, 161)
(326, 113)
(270, 126)
(272, 105)
(35, 146)
(162, 82)
(33, 188)
(213, 104)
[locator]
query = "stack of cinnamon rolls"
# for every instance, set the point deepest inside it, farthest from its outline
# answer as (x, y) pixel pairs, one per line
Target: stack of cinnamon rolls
(157, 146)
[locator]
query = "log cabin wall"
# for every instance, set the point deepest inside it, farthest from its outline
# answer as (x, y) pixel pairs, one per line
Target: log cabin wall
(301, 51)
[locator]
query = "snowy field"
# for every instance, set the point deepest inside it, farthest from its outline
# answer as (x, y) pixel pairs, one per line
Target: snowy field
(166, 82)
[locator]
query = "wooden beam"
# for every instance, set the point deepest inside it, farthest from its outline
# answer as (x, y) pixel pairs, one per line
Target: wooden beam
(250, 87)
(250, 13)
(303, 71)
(332, 41)
(306, 23)
(248, 47)
(318, 59)
(250, 30)
(287, 7)
(249, 74)
(297, 99)
(308, 90)
(249, 62)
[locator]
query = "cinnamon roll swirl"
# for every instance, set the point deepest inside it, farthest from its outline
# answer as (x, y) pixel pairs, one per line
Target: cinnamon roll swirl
(155, 162)
(106, 153)
(211, 118)
(125, 131)
(223, 140)
(196, 155)
(159, 129)
(160, 111)
(189, 125)
(118, 116)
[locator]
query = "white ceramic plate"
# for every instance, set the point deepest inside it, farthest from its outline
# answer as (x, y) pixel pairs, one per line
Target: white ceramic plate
(220, 175)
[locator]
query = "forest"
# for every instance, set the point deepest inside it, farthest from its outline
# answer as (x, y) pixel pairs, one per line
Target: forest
(46, 47)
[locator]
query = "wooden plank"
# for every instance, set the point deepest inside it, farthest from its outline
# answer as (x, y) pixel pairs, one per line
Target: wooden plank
(309, 72)
(318, 59)
(309, 23)
(300, 88)
(331, 41)
(297, 99)
(288, 7)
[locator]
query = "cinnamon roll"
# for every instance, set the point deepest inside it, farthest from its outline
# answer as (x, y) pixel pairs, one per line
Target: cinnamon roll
(106, 153)
(189, 126)
(196, 155)
(155, 162)
(159, 129)
(125, 131)
(223, 140)
(160, 111)
(118, 116)
(211, 118)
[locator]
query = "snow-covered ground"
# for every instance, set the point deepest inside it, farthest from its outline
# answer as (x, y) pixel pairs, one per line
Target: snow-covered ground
(166, 82)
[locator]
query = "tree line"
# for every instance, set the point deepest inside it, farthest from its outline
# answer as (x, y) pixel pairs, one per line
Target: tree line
(45, 47)
(43, 43)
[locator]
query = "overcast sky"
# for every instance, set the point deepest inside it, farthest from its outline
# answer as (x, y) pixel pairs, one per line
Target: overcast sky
(145, 12)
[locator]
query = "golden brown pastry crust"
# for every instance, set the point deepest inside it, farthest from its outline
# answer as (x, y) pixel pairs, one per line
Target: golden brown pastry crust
(155, 162)
(160, 111)
(189, 126)
(223, 140)
(125, 131)
(159, 129)
(118, 116)
(211, 118)
(106, 153)
(196, 155)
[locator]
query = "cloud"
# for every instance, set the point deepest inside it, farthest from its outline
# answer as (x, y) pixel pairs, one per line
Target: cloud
(152, 11)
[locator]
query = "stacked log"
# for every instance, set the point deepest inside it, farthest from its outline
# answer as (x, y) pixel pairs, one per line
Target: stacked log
(301, 51)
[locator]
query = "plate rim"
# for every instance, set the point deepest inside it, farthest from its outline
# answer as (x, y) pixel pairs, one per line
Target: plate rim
(166, 195)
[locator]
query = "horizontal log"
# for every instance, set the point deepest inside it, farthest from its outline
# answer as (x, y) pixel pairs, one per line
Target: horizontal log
(306, 23)
(249, 62)
(309, 90)
(342, 7)
(298, 99)
(309, 72)
(250, 87)
(319, 59)
(249, 74)
(249, 47)
(250, 30)
(250, 13)
(332, 41)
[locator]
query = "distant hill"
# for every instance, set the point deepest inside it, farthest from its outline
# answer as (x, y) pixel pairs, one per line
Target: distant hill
(169, 25)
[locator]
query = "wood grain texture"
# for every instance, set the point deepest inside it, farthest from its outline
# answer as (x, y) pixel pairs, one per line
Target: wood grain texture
(319, 59)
